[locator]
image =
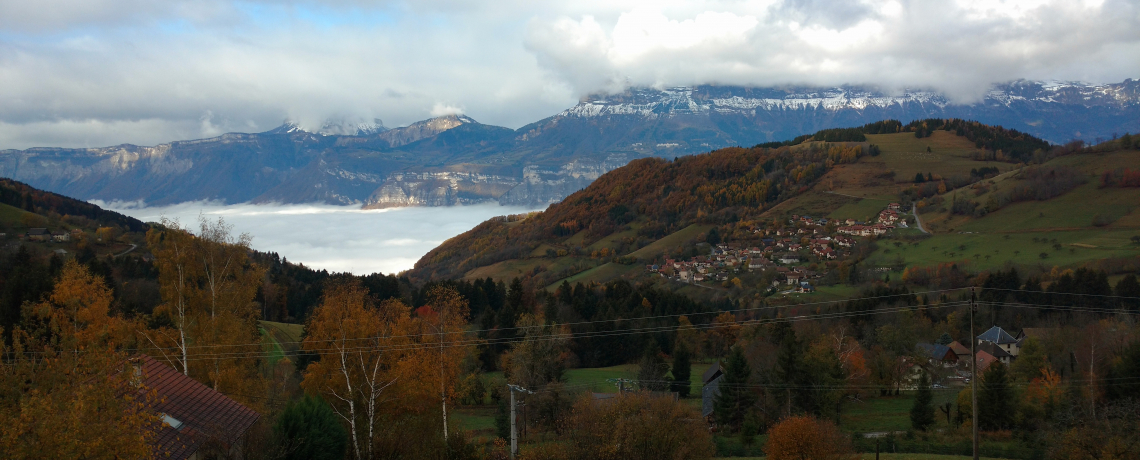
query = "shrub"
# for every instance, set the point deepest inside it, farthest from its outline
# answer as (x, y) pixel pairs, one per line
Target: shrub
(806, 437)
(1102, 220)
(636, 426)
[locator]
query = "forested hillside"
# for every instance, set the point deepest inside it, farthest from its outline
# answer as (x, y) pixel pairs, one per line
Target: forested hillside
(654, 196)
(20, 195)
(724, 195)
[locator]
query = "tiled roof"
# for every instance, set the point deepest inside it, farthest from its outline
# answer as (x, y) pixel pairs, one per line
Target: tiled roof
(993, 349)
(206, 415)
(959, 349)
(997, 335)
(934, 350)
(985, 360)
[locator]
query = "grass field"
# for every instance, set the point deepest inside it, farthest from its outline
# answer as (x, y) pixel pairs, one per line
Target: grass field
(863, 210)
(276, 353)
(285, 337)
(949, 155)
(677, 238)
(891, 413)
(987, 251)
(811, 203)
(859, 188)
(13, 217)
(475, 418)
(1071, 210)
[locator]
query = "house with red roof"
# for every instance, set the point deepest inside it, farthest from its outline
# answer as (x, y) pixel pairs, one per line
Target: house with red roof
(984, 361)
(196, 420)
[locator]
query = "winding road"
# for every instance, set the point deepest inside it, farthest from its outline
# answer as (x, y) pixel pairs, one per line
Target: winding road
(133, 246)
(917, 221)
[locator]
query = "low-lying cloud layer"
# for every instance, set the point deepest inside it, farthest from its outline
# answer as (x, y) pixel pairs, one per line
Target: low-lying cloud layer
(334, 238)
(95, 73)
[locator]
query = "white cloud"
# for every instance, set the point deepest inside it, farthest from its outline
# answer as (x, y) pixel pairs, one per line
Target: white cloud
(98, 72)
(348, 239)
(440, 109)
(961, 48)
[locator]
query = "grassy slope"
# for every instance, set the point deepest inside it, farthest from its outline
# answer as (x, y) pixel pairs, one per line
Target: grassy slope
(285, 336)
(14, 217)
(862, 189)
(1060, 228)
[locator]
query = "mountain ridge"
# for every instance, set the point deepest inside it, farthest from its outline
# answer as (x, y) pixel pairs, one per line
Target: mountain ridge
(434, 162)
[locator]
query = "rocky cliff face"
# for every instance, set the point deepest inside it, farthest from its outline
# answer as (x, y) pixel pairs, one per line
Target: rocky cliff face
(455, 160)
(542, 186)
(438, 189)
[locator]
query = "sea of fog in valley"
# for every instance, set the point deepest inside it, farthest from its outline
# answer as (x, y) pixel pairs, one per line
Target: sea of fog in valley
(335, 238)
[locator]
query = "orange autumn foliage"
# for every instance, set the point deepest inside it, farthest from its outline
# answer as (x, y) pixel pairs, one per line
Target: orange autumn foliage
(725, 330)
(637, 426)
(807, 438)
(65, 394)
(208, 286)
(668, 194)
(378, 361)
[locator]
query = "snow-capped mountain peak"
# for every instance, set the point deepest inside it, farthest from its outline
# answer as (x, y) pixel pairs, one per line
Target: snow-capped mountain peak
(351, 127)
(703, 100)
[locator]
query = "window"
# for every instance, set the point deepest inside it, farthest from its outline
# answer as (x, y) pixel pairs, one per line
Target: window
(173, 422)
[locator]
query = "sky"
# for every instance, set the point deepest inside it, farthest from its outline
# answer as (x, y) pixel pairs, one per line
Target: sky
(91, 73)
(360, 242)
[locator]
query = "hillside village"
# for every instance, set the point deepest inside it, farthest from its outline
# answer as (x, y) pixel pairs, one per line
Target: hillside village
(863, 348)
(784, 251)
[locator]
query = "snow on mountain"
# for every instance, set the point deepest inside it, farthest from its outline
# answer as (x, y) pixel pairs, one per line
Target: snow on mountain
(703, 100)
(346, 127)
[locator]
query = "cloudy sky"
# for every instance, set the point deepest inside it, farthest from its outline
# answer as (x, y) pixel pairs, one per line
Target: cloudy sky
(103, 72)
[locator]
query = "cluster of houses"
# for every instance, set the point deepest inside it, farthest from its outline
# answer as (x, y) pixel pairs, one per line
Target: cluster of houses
(887, 220)
(724, 259)
(993, 346)
(43, 235)
(807, 239)
(727, 259)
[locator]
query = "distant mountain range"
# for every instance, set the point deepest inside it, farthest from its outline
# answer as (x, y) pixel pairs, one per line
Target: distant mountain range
(455, 160)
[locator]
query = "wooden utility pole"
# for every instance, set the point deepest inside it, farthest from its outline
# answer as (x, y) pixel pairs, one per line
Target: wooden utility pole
(514, 431)
(442, 387)
(974, 371)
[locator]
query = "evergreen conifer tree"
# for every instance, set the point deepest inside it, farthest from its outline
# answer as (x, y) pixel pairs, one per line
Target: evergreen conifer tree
(652, 371)
(1129, 288)
(713, 237)
(503, 419)
(734, 398)
(922, 412)
(309, 429)
(996, 405)
(682, 370)
(789, 368)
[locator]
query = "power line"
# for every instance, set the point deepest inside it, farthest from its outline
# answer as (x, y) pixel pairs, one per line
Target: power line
(566, 336)
(1060, 293)
(579, 323)
(590, 334)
